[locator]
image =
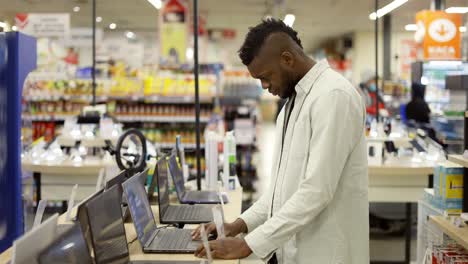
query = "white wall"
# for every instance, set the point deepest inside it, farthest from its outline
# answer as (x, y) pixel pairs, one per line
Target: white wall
(364, 52)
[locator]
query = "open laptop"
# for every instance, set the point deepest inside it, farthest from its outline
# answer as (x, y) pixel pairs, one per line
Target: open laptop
(191, 197)
(177, 214)
(69, 247)
(152, 238)
(82, 216)
(26, 249)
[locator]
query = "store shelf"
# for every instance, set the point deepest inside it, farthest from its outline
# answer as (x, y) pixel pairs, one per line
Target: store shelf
(459, 159)
(459, 234)
(168, 145)
(161, 119)
(46, 118)
(135, 98)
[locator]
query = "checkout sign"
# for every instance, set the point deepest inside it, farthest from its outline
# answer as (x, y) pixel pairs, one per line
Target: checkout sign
(440, 35)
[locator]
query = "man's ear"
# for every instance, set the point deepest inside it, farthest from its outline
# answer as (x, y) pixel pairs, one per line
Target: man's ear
(287, 59)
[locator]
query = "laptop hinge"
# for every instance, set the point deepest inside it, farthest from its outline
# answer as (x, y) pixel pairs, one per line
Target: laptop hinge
(151, 238)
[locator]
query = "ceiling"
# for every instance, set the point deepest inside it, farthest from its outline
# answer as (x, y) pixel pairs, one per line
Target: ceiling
(316, 20)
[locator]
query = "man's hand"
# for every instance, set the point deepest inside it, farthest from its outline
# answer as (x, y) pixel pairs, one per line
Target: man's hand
(230, 229)
(227, 248)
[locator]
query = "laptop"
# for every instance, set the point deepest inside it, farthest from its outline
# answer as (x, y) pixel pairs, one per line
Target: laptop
(177, 214)
(152, 238)
(69, 247)
(106, 226)
(190, 197)
(26, 249)
(82, 217)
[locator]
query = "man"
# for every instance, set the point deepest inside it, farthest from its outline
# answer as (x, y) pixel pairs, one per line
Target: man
(316, 208)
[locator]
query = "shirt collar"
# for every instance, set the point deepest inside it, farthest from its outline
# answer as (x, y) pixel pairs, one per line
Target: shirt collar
(306, 83)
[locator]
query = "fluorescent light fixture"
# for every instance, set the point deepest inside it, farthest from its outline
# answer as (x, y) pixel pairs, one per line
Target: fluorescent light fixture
(76, 9)
(463, 29)
(445, 63)
(130, 35)
(2, 24)
(189, 53)
(156, 3)
(289, 20)
(14, 28)
(387, 9)
(411, 27)
(457, 10)
(99, 19)
(112, 26)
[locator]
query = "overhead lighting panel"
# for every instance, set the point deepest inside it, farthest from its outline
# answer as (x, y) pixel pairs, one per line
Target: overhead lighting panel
(457, 10)
(289, 20)
(387, 9)
(156, 3)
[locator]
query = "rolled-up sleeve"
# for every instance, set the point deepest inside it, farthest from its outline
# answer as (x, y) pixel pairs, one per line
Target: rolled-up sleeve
(337, 123)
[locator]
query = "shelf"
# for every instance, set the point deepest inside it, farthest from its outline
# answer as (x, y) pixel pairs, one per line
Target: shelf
(46, 118)
(459, 159)
(134, 98)
(161, 119)
(168, 145)
(459, 234)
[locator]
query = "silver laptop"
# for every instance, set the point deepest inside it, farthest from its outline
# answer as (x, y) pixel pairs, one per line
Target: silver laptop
(26, 249)
(152, 238)
(177, 214)
(191, 197)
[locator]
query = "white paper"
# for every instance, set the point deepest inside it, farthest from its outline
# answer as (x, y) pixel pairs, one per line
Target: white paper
(206, 245)
(40, 212)
(218, 219)
(100, 180)
(71, 202)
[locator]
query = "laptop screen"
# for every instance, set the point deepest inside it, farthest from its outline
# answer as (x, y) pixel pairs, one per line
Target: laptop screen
(177, 176)
(70, 247)
(107, 227)
(163, 186)
(140, 209)
(82, 216)
(117, 180)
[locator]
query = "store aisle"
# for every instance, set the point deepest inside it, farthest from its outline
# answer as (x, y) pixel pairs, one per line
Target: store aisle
(264, 157)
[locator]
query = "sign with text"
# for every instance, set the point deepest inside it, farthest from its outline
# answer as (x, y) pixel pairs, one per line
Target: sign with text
(442, 38)
(44, 25)
(174, 32)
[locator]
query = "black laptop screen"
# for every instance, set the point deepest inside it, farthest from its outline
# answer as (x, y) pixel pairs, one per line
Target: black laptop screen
(139, 208)
(177, 175)
(163, 186)
(107, 228)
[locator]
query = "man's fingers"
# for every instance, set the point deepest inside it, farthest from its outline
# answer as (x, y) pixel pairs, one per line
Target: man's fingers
(198, 250)
(201, 253)
(210, 228)
(196, 233)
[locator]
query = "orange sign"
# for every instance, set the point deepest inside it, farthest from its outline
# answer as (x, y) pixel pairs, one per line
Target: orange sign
(441, 33)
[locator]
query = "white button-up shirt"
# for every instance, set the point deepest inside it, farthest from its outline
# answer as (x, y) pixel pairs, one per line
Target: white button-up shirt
(316, 207)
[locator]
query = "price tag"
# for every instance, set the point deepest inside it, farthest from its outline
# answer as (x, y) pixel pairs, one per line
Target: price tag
(206, 245)
(218, 219)
(71, 202)
(40, 212)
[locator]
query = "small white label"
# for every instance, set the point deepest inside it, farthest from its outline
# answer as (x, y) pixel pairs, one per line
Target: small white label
(40, 212)
(206, 245)
(71, 202)
(218, 218)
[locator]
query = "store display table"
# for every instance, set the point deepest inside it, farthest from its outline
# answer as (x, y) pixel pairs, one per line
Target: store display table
(459, 234)
(232, 210)
(398, 183)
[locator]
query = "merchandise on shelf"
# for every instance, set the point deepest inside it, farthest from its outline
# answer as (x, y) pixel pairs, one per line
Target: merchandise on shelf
(146, 109)
(448, 188)
(161, 134)
(240, 84)
(451, 253)
(179, 84)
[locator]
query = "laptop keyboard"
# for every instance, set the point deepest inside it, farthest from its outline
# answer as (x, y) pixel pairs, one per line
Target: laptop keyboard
(181, 212)
(172, 239)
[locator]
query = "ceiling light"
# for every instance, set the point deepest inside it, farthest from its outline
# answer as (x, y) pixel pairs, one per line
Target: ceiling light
(156, 3)
(289, 20)
(99, 19)
(387, 9)
(130, 35)
(463, 29)
(2, 25)
(411, 27)
(14, 28)
(76, 9)
(458, 10)
(112, 26)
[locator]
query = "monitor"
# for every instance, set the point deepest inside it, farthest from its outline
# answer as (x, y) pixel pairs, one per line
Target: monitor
(117, 180)
(177, 176)
(82, 216)
(69, 247)
(163, 186)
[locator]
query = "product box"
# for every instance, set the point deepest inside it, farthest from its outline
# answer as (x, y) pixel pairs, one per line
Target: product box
(448, 181)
